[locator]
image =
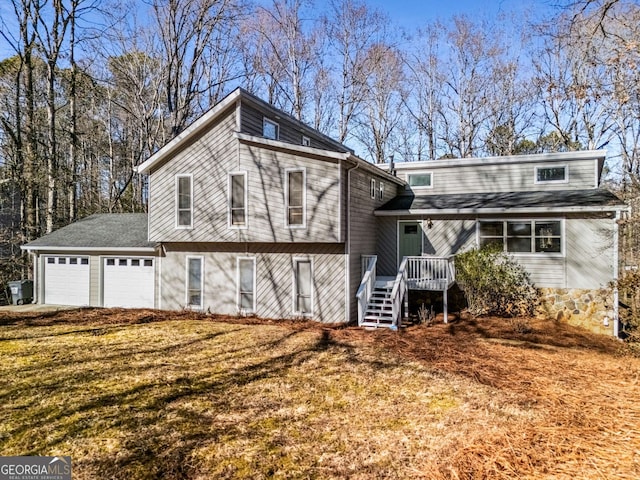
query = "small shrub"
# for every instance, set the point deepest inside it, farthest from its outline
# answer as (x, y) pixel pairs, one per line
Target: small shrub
(426, 315)
(494, 284)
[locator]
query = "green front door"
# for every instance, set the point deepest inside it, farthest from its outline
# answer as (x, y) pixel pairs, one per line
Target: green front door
(409, 240)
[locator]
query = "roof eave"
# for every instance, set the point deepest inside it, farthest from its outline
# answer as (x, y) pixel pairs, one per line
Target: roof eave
(276, 144)
(493, 211)
(196, 127)
(39, 248)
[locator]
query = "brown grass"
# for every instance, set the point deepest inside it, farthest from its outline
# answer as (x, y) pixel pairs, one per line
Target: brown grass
(149, 394)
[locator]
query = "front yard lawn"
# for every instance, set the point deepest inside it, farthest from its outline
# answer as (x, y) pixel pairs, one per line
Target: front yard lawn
(142, 394)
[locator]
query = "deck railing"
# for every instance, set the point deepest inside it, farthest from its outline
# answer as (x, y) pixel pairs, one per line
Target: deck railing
(430, 273)
(366, 285)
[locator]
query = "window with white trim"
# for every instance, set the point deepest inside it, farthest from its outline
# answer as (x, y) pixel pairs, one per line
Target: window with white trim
(372, 188)
(303, 286)
(295, 201)
(184, 201)
(246, 284)
(381, 191)
(237, 199)
(270, 129)
(306, 141)
(522, 236)
(552, 174)
(194, 282)
(420, 180)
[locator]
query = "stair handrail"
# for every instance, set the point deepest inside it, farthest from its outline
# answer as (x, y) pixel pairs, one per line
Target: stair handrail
(452, 268)
(366, 288)
(398, 292)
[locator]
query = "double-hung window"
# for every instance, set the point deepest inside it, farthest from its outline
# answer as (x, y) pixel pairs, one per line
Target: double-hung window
(237, 199)
(295, 199)
(246, 278)
(184, 201)
(194, 282)
(381, 191)
(522, 236)
(372, 188)
(303, 286)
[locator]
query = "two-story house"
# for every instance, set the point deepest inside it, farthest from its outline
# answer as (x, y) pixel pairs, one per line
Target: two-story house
(253, 212)
(250, 212)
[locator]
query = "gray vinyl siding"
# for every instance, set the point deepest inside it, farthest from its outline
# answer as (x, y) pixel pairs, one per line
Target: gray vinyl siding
(445, 237)
(544, 271)
(387, 245)
(266, 170)
(511, 177)
(586, 262)
(95, 280)
(274, 278)
(590, 254)
(290, 132)
(363, 223)
(208, 160)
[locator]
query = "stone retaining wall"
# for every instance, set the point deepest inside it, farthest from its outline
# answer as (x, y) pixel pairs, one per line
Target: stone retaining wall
(590, 309)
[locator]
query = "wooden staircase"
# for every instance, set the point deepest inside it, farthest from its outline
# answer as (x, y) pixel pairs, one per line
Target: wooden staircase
(379, 311)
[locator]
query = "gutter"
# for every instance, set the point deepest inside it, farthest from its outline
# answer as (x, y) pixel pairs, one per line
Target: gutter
(501, 210)
(42, 249)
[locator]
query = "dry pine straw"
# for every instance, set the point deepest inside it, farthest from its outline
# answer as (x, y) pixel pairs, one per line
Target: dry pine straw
(146, 394)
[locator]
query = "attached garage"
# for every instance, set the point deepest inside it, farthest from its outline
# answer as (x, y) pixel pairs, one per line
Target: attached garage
(128, 282)
(66, 280)
(101, 260)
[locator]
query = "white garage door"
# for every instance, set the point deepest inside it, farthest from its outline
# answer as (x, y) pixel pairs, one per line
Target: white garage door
(128, 282)
(66, 280)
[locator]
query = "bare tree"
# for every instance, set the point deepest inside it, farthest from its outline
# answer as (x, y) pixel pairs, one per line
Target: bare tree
(187, 30)
(469, 70)
(353, 28)
(284, 52)
(383, 101)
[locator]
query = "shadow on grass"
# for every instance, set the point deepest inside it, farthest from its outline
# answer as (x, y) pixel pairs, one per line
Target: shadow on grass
(153, 421)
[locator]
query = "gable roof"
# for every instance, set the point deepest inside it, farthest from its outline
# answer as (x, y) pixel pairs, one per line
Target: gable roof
(105, 231)
(504, 202)
(205, 120)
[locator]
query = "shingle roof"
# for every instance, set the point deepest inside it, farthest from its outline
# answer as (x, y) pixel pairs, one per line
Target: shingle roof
(542, 200)
(106, 230)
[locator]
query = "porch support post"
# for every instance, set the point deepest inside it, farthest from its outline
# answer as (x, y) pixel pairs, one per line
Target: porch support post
(444, 305)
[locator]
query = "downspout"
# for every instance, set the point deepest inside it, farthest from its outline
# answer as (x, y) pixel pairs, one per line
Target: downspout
(348, 241)
(616, 267)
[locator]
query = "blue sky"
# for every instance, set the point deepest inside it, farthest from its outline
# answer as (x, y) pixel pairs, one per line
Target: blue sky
(411, 14)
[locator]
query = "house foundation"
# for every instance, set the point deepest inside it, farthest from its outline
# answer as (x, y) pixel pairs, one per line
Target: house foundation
(590, 309)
